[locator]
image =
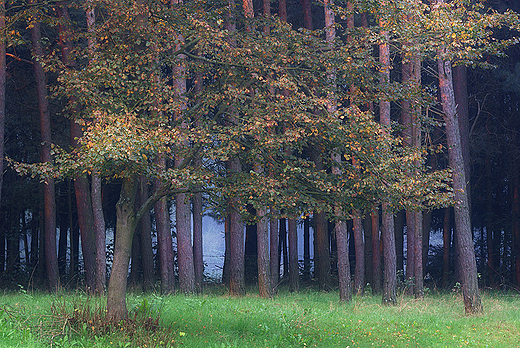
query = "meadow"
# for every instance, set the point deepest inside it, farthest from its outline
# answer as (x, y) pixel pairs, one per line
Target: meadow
(305, 319)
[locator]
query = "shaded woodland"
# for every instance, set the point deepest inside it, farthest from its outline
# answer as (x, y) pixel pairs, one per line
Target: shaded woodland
(137, 117)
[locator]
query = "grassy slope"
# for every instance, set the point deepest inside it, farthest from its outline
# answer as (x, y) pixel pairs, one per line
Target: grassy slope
(308, 319)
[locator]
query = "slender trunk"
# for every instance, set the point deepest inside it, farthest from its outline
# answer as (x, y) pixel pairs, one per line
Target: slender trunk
(62, 243)
(284, 258)
(145, 225)
(399, 239)
(307, 14)
(306, 249)
(468, 266)
(100, 234)
(274, 262)
(515, 221)
(125, 228)
(294, 269)
(367, 227)
(359, 248)
(236, 241)
(48, 184)
(376, 252)
(387, 223)
(198, 262)
(418, 260)
(198, 258)
(262, 233)
(164, 238)
(282, 10)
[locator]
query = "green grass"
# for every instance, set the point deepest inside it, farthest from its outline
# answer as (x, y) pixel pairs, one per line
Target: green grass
(307, 319)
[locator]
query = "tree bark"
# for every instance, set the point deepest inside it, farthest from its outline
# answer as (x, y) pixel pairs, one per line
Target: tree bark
(48, 185)
(100, 234)
(294, 269)
(469, 281)
(262, 234)
(236, 241)
(125, 228)
(274, 262)
(145, 226)
(306, 248)
(164, 238)
(446, 240)
(376, 252)
(359, 248)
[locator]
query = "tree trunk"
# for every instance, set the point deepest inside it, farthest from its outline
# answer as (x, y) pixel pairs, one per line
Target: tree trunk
(236, 241)
(387, 225)
(322, 255)
(468, 266)
(306, 248)
(284, 258)
(164, 238)
(274, 255)
(376, 252)
(198, 262)
(359, 247)
(307, 14)
(100, 234)
(294, 268)
(399, 239)
(145, 225)
(262, 234)
(48, 185)
(125, 228)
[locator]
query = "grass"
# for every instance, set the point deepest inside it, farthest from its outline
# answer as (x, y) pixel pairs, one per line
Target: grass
(307, 319)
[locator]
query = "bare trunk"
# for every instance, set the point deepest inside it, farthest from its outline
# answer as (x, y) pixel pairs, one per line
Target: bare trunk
(359, 247)
(387, 225)
(306, 249)
(376, 252)
(274, 262)
(307, 14)
(145, 226)
(468, 266)
(262, 234)
(164, 239)
(125, 228)
(48, 185)
(236, 241)
(100, 234)
(294, 269)
(490, 224)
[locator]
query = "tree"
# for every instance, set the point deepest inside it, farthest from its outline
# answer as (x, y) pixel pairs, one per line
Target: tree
(51, 259)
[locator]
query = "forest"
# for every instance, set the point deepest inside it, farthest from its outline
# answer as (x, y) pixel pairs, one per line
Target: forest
(375, 126)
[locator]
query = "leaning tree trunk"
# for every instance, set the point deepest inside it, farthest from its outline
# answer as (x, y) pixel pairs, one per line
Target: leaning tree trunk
(468, 266)
(51, 256)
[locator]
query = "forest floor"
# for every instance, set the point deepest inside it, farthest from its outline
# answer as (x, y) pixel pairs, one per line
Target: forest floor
(305, 319)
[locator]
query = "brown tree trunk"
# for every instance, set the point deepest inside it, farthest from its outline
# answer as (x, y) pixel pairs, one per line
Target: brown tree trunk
(164, 238)
(399, 239)
(468, 266)
(274, 262)
(198, 257)
(376, 252)
(282, 252)
(100, 234)
(125, 228)
(294, 269)
(387, 225)
(359, 248)
(236, 241)
(145, 227)
(282, 10)
(307, 14)
(515, 220)
(262, 234)
(48, 185)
